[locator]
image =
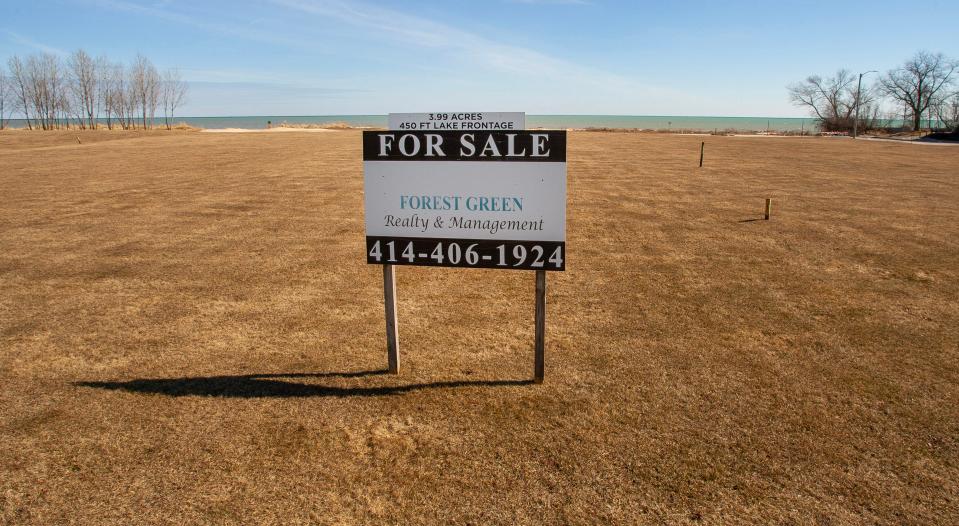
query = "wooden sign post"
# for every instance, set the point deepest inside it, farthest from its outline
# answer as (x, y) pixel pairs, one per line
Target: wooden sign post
(465, 190)
(392, 328)
(539, 361)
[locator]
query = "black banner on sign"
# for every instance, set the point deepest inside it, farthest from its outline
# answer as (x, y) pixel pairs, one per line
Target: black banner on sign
(472, 253)
(514, 146)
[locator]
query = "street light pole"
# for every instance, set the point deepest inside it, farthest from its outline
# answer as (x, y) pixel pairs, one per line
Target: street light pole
(855, 123)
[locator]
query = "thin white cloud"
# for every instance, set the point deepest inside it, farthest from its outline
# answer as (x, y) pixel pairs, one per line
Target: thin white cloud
(567, 81)
(161, 12)
(423, 32)
(22, 40)
(551, 2)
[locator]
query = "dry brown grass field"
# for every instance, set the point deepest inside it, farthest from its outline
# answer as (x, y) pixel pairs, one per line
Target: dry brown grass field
(189, 334)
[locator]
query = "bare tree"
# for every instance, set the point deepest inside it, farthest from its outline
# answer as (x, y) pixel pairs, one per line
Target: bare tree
(831, 100)
(104, 86)
(50, 92)
(38, 81)
(114, 91)
(122, 98)
(46, 84)
(4, 93)
(173, 94)
(145, 81)
(83, 86)
(870, 112)
(59, 88)
(137, 89)
(153, 87)
(130, 99)
(918, 81)
(21, 88)
(946, 110)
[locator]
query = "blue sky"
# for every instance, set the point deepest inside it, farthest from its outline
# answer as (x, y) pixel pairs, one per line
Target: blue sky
(327, 57)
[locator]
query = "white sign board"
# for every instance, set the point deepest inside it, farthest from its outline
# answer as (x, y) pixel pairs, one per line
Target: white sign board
(464, 121)
(490, 199)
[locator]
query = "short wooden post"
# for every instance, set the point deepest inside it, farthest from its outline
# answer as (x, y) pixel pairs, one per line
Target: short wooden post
(769, 207)
(392, 330)
(539, 365)
(702, 149)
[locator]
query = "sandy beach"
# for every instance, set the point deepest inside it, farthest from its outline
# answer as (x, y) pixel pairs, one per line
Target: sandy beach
(190, 335)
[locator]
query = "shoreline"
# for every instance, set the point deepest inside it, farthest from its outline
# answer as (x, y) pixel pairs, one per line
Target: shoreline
(272, 130)
(343, 128)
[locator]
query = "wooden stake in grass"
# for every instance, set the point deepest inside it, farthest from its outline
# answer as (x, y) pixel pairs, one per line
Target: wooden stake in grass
(702, 149)
(539, 362)
(769, 207)
(392, 331)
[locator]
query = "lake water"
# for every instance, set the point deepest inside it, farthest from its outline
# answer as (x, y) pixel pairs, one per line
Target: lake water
(646, 122)
(651, 122)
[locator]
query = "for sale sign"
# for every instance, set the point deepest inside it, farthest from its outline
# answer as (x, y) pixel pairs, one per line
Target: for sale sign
(457, 198)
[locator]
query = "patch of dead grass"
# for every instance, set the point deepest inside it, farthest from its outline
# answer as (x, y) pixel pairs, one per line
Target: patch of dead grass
(189, 334)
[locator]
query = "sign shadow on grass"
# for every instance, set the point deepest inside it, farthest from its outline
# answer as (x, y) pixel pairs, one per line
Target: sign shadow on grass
(272, 386)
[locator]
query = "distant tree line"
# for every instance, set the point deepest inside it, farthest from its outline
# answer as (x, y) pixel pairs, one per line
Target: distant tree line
(50, 92)
(924, 88)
